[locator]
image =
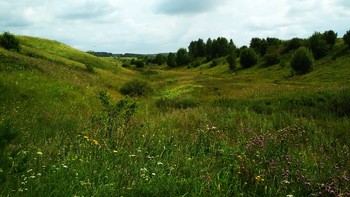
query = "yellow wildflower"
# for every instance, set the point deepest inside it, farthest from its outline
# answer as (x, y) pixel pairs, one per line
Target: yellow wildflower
(239, 157)
(95, 142)
(259, 178)
(86, 137)
(219, 186)
(115, 151)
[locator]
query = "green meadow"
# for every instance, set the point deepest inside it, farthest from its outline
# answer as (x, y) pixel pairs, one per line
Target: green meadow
(66, 129)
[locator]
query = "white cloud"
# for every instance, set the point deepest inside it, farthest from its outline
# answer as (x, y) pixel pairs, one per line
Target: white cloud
(163, 25)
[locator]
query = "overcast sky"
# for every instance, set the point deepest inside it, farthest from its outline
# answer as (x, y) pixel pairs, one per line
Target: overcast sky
(153, 26)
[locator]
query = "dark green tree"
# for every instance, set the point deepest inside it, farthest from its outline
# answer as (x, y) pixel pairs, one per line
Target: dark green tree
(330, 37)
(318, 45)
(231, 60)
(293, 44)
(220, 47)
(248, 57)
(182, 57)
(209, 47)
(159, 59)
(9, 41)
(302, 60)
(259, 45)
(171, 60)
(346, 38)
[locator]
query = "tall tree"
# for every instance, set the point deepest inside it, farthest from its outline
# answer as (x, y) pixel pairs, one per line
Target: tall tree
(182, 57)
(318, 45)
(330, 37)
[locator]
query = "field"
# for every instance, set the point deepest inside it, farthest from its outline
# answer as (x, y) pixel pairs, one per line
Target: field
(66, 130)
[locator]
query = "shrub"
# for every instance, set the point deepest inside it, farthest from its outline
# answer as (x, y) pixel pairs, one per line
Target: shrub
(9, 42)
(248, 58)
(272, 58)
(171, 60)
(139, 64)
(302, 60)
(90, 68)
(136, 88)
(346, 38)
(231, 60)
(293, 44)
(330, 37)
(214, 63)
(318, 45)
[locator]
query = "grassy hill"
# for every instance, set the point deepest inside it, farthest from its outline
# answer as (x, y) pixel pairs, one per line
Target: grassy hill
(200, 132)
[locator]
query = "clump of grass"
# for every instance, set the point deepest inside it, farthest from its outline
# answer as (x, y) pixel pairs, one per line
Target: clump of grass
(183, 102)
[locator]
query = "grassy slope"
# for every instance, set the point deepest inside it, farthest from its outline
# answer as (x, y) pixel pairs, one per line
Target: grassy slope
(203, 131)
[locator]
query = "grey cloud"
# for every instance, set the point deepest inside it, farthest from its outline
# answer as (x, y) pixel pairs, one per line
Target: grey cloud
(87, 10)
(188, 6)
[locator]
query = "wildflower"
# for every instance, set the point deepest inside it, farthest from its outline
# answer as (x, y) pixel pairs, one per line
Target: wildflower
(289, 195)
(39, 153)
(154, 174)
(115, 151)
(265, 188)
(239, 157)
(159, 163)
(95, 142)
(86, 137)
(219, 186)
(259, 178)
(132, 155)
(64, 166)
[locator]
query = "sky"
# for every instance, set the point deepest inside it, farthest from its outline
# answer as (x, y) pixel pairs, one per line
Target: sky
(160, 26)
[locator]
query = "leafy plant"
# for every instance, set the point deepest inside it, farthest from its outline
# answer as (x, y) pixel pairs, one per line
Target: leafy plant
(136, 88)
(302, 61)
(248, 58)
(9, 41)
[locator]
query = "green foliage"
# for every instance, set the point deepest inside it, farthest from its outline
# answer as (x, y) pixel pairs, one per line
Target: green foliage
(139, 64)
(272, 57)
(340, 103)
(330, 37)
(182, 102)
(197, 49)
(231, 60)
(214, 63)
(293, 44)
(346, 38)
(114, 116)
(159, 59)
(90, 68)
(318, 45)
(259, 45)
(248, 57)
(302, 61)
(136, 87)
(9, 41)
(171, 60)
(182, 57)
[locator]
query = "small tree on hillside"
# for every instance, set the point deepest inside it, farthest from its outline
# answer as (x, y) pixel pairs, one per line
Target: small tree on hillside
(330, 37)
(231, 60)
(9, 41)
(346, 38)
(318, 45)
(171, 60)
(182, 57)
(248, 57)
(302, 61)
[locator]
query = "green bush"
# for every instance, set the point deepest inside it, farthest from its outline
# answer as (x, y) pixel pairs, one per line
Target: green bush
(302, 60)
(139, 64)
(248, 58)
(90, 68)
(318, 45)
(272, 58)
(136, 88)
(9, 41)
(231, 60)
(346, 38)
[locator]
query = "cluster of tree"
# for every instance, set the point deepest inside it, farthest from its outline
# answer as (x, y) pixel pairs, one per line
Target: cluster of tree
(9, 41)
(269, 51)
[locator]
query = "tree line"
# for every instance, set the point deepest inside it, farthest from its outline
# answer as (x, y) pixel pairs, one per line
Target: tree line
(268, 51)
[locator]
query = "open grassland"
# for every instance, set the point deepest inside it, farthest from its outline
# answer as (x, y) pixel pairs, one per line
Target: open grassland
(203, 131)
